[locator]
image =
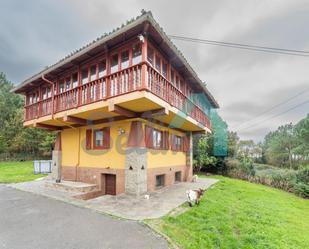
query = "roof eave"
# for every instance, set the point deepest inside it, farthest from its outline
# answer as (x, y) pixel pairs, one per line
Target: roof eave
(139, 20)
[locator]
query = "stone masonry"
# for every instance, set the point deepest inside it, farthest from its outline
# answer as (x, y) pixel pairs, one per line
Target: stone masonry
(136, 170)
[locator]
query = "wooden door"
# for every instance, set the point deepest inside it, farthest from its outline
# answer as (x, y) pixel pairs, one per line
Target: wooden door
(110, 184)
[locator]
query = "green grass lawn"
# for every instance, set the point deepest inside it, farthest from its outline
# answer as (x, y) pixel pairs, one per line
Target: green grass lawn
(239, 214)
(17, 172)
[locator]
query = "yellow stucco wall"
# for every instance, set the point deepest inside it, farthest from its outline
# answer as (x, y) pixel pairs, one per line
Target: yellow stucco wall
(75, 154)
(113, 158)
(165, 158)
(70, 147)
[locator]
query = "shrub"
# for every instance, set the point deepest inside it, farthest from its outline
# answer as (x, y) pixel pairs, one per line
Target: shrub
(301, 183)
(288, 180)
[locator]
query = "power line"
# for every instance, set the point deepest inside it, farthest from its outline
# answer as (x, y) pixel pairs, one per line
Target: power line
(244, 46)
(266, 49)
(272, 108)
(274, 116)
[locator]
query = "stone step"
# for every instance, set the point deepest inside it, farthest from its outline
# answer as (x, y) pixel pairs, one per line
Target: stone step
(73, 186)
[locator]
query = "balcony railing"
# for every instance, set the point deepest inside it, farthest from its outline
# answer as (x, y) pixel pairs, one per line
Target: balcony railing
(122, 82)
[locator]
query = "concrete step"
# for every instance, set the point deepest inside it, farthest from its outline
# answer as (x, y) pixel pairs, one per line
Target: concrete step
(79, 187)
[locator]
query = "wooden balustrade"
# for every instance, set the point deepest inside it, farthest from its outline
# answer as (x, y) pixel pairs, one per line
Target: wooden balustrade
(122, 82)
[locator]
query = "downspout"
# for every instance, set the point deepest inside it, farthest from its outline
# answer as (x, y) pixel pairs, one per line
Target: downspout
(58, 179)
(78, 160)
(53, 92)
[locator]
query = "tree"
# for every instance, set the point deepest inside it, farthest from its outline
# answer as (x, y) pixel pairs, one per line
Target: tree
(232, 143)
(281, 146)
(14, 138)
(203, 157)
(302, 135)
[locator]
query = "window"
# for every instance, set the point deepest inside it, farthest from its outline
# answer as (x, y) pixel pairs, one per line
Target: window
(136, 54)
(36, 97)
(178, 176)
(44, 93)
(172, 76)
(30, 99)
(33, 98)
(181, 86)
(157, 139)
(98, 139)
(93, 72)
(61, 86)
(48, 92)
(178, 142)
(124, 59)
(102, 68)
(177, 82)
(150, 55)
(114, 63)
(85, 76)
(101, 138)
(74, 80)
(67, 83)
(158, 63)
(159, 181)
(164, 70)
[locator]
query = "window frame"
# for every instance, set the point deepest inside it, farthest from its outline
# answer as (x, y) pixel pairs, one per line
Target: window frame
(96, 72)
(84, 69)
(162, 181)
(124, 64)
(178, 146)
(72, 80)
(94, 146)
(155, 135)
(178, 176)
(152, 61)
(111, 63)
(104, 72)
(158, 67)
(139, 56)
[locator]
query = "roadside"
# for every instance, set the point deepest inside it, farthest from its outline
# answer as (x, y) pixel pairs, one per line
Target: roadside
(33, 221)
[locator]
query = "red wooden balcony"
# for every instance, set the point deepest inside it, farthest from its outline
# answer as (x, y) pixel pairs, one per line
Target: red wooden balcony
(122, 82)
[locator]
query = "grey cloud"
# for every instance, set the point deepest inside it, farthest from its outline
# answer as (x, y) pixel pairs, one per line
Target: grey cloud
(35, 34)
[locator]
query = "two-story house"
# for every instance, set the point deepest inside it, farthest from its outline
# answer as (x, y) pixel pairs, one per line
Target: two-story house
(124, 108)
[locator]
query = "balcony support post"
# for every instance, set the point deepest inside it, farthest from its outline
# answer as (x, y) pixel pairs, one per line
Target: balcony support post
(144, 78)
(53, 93)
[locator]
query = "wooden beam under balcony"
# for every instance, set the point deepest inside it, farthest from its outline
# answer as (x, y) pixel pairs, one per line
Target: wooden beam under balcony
(199, 132)
(154, 113)
(47, 127)
(122, 111)
(76, 120)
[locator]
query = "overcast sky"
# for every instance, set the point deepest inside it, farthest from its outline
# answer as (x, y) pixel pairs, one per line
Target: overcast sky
(35, 34)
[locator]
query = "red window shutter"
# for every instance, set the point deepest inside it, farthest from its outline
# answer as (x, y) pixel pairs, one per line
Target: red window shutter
(148, 136)
(88, 139)
(166, 140)
(106, 137)
(185, 144)
(173, 145)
